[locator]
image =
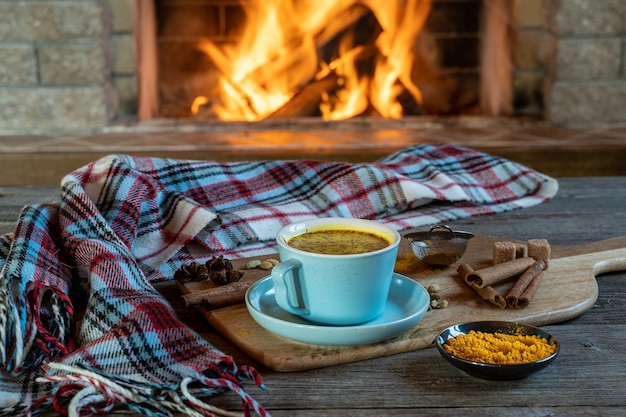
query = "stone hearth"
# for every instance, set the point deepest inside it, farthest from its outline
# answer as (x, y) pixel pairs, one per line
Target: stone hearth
(69, 66)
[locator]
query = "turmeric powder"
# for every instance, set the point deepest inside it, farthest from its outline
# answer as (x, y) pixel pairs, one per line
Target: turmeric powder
(409, 263)
(499, 348)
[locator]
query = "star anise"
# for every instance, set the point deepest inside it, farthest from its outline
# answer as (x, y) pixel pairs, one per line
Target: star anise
(218, 264)
(191, 272)
(221, 271)
(224, 277)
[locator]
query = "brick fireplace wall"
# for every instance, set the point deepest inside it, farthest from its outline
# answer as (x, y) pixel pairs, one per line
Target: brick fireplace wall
(70, 65)
(66, 65)
(590, 85)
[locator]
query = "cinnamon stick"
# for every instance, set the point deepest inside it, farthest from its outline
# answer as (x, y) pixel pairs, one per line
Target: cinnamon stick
(512, 297)
(218, 297)
(491, 295)
(464, 270)
(530, 291)
(497, 273)
(486, 293)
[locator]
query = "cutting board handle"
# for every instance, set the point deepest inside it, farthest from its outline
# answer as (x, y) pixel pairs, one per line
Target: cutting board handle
(600, 262)
(609, 265)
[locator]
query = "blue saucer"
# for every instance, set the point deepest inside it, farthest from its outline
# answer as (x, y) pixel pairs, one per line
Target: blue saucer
(406, 305)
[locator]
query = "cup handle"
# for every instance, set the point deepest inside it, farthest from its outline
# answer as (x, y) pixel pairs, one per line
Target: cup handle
(287, 288)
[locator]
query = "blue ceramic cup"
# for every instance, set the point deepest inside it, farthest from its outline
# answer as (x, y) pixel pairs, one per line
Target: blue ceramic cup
(334, 289)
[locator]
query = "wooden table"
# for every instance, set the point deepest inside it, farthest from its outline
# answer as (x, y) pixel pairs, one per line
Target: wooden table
(587, 378)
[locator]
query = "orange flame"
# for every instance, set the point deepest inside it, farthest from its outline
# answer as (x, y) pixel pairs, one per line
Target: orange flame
(277, 55)
(351, 99)
(402, 22)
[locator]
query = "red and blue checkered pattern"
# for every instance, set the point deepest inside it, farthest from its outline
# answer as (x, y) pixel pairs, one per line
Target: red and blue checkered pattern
(124, 223)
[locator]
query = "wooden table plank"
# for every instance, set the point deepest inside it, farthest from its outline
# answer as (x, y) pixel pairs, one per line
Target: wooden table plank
(586, 378)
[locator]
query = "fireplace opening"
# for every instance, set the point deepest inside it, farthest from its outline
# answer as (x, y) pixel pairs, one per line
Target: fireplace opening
(252, 60)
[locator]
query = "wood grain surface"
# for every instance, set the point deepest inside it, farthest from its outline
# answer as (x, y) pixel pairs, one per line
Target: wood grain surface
(586, 379)
(568, 289)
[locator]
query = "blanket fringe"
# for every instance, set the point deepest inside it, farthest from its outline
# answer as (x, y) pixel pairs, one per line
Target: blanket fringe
(85, 391)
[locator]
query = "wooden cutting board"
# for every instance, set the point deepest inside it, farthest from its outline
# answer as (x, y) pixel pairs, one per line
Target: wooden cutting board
(568, 289)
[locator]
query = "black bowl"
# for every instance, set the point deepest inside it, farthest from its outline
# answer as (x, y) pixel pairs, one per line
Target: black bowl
(494, 371)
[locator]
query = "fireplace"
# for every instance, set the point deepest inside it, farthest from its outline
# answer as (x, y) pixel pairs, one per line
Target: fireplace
(271, 59)
(85, 65)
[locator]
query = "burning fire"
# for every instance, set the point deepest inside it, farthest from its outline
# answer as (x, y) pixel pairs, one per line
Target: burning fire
(278, 58)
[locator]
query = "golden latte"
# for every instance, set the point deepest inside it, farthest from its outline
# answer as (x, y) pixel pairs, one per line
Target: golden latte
(338, 242)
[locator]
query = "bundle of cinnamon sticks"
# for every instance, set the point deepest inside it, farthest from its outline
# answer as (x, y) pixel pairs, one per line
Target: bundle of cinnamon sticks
(524, 264)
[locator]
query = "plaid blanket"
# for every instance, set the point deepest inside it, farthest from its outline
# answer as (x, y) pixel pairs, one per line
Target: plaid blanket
(124, 223)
